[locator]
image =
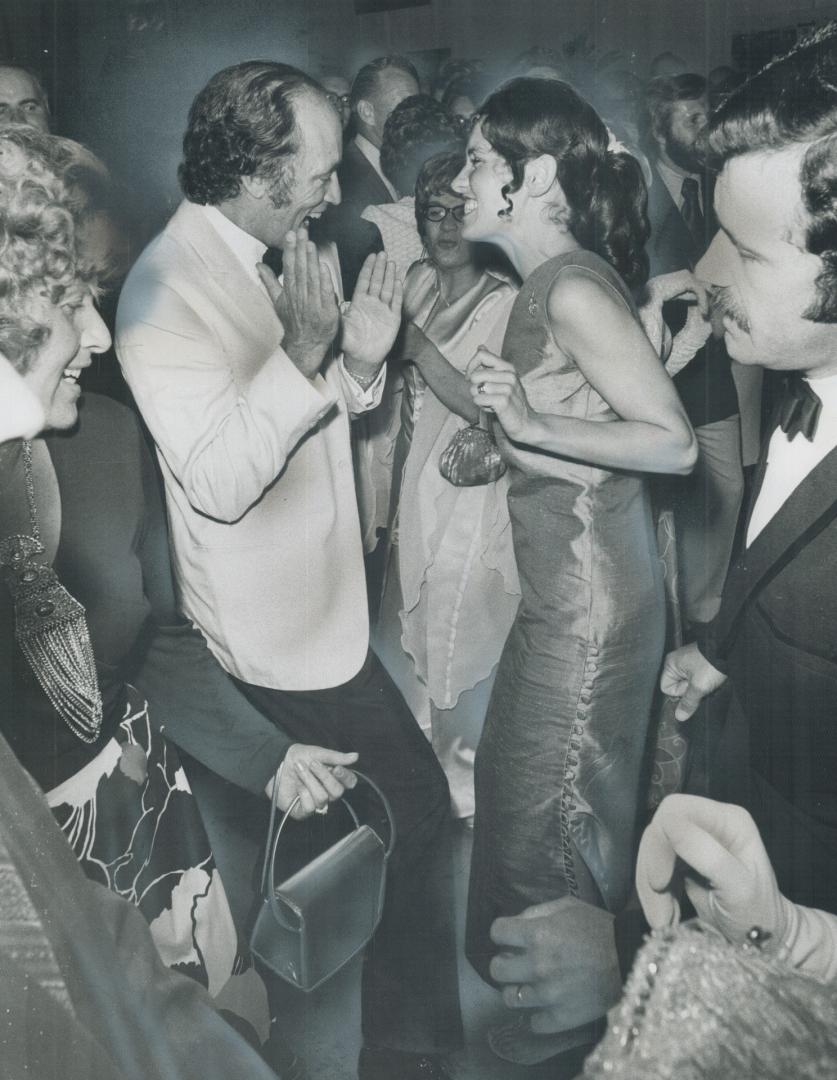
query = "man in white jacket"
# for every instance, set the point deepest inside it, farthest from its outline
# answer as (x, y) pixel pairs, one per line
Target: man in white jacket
(247, 386)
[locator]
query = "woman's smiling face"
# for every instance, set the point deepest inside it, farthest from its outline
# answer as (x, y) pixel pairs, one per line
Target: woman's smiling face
(481, 183)
(76, 332)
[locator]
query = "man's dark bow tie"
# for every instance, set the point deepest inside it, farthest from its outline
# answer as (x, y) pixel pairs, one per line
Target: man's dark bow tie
(273, 258)
(799, 409)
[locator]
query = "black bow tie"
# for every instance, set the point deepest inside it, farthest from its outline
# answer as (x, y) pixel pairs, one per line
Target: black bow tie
(273, 258)
(799, 409)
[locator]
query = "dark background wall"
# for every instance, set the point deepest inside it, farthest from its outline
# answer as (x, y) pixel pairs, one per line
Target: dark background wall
(121, 73)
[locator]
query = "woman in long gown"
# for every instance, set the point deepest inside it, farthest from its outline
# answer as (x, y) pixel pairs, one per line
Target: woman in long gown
(93, 658)
(451, 588)
(583, 409)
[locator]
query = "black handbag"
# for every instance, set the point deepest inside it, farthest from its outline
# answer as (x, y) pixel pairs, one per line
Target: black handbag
(312, 924)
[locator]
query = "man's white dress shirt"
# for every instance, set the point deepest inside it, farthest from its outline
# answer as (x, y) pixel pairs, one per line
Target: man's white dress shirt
(790, 460)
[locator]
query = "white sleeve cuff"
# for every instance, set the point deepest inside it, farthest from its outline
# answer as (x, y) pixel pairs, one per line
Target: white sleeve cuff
(359, 400)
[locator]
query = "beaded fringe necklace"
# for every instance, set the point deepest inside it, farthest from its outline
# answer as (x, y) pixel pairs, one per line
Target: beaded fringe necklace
(51, 626)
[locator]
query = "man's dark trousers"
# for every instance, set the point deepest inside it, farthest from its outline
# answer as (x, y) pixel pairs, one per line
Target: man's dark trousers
(410, 996)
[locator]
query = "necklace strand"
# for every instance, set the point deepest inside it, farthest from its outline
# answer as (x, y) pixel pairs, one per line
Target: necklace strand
(30, 490)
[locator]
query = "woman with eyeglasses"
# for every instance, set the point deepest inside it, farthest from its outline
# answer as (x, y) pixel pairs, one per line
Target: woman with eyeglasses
(451, 589)
(416, 129)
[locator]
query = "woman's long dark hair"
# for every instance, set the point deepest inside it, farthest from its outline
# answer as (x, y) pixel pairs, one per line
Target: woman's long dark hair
(605, 191)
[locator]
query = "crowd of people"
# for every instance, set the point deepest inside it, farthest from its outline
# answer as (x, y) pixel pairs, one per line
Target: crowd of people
(415, 375)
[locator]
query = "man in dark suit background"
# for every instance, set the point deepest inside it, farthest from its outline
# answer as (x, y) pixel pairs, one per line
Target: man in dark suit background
(377, 88)
(707, 503)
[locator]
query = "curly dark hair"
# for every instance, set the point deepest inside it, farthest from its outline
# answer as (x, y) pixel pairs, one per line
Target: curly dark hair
(416, 129)
(434, 179)
(243, 124)
(793, 101)
(605, 191)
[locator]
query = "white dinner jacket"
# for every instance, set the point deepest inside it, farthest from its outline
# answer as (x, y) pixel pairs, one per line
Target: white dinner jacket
(256, 460)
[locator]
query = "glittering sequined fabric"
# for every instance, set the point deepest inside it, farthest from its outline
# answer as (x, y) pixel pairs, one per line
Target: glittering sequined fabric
(698, 1008)
(22, 936)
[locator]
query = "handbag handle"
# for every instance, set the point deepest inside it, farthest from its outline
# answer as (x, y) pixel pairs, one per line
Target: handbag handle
(272, 843)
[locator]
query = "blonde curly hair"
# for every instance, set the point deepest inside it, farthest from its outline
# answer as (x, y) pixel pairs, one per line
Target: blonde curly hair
(39, 250)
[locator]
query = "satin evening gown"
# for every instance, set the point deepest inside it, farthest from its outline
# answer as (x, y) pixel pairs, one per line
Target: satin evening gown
(559, 767)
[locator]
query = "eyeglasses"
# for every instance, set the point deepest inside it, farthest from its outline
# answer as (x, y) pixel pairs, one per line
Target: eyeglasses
(338, 100)
(437, 212)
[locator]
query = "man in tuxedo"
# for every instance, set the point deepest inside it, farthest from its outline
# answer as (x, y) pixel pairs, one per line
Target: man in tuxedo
(377, 88)
(773, 645)
(707, 502)
(248, 395)
(774, 641)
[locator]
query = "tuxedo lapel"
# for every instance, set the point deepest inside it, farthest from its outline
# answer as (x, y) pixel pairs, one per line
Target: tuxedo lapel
(758, 478)
(245, 300)
(811, 506)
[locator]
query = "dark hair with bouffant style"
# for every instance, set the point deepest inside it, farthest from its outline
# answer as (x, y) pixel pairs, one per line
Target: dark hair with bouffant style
(605, 191)
(792, 102)
(435, 179)
(243, 124)
(416, 129)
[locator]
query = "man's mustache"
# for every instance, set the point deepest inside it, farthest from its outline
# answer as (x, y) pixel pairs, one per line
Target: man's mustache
(723, 303)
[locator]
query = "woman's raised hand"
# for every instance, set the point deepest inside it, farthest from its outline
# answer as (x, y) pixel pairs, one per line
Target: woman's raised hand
(372, 320)
(495, 387)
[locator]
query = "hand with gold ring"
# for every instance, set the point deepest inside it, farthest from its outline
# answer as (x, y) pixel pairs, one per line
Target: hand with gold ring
(496, 388)
(557, 960)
